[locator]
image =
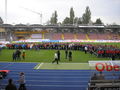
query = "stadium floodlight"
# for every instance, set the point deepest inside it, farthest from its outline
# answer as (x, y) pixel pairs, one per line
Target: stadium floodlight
(40, 14)
(6, 11)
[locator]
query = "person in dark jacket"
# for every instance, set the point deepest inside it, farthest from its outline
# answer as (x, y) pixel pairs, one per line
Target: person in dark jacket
(113, 57)
(10, 85)
(100, 76)
(18, 54)
(66, 54)
(58, 54)
(70, 56)
(14, 56)
(23, 55)
(94, 77)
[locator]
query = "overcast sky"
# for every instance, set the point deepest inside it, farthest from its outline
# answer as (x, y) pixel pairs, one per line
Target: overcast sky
(107, 10)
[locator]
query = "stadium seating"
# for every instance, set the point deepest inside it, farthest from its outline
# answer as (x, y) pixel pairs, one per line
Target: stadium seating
(81, 36)
(115, 36)
(68, 36)
(2, 35)
(103, 36)
(48, 36)
(57, 36)
(92, 36)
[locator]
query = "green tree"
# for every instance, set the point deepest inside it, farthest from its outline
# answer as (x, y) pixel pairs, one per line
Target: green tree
(86, 18)
(72, 16)
(66, 20)
(1, 21)
(98, 21)
(54, 19)
(77, 20)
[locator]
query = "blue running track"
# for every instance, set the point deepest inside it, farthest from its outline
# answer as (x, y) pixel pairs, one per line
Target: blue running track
(46, 79)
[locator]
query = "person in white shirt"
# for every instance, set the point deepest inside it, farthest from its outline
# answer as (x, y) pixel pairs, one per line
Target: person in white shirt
(22, 81)
(86, 49)
(55, 58)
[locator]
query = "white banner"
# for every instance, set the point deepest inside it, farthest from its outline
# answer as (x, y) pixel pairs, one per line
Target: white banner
(36, 36)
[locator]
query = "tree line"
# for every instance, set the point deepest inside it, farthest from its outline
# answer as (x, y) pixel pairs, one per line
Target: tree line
(85, 19)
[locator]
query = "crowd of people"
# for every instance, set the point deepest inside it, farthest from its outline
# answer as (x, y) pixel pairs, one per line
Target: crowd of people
(104, 81)
(96, 49)
(17, 55)
(99, 76)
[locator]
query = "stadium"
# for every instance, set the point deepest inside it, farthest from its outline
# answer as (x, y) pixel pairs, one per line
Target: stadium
(60, 32)
(76, 55)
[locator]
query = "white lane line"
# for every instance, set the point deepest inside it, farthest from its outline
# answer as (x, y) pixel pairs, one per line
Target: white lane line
(39, 66)
(9, 64)
(55, 85)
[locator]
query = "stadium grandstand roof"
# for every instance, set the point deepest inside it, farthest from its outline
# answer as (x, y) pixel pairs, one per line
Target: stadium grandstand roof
(80, 26)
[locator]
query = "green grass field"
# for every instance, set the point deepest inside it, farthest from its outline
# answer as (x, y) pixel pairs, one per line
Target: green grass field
(67, 66)
(48, 56)
(79, 59)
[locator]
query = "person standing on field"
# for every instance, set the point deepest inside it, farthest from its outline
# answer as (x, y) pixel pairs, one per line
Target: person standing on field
(66, 54)
(23, 55)
(58, 54)
(18, 54)
(14, 56)
(70, 56)
(55, 58)
(85, 49)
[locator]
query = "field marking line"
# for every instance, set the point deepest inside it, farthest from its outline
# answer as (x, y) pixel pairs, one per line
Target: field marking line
(36, 66)
(39, 66)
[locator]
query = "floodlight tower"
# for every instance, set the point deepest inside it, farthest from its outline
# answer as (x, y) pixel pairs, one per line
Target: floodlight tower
(8, 31)
(6, 11)
(40, 14)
